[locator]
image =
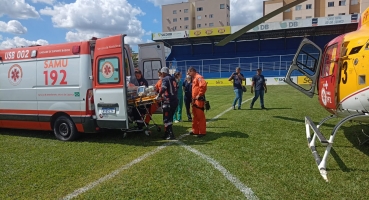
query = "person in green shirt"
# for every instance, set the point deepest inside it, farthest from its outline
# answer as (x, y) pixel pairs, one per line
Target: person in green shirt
(177, 117)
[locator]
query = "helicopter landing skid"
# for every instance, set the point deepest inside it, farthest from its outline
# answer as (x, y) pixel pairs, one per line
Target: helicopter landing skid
(309, 125)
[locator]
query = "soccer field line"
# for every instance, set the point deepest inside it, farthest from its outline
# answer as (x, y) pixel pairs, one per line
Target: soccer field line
(244, 189)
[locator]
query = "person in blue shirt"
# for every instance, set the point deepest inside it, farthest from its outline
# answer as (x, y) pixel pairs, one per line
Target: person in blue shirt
(187, 88)
(258, 81)
(237, 78)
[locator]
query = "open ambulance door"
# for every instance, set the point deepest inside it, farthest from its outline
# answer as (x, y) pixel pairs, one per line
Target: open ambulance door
(151, 58)
(109, 79)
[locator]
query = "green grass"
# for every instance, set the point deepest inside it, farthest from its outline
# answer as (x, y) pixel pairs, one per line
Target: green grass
(265, 149)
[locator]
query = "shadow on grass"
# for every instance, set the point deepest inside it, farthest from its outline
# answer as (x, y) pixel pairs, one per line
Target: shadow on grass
(133, 138)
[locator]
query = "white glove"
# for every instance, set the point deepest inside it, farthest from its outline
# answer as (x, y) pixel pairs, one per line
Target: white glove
(157, 97)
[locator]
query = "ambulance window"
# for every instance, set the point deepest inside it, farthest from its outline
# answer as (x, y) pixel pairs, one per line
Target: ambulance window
(151, 68)
(109, 71)
(127, 63)
(329, 61)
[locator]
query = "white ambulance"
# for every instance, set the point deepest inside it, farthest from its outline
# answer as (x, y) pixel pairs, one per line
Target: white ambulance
(70, 88)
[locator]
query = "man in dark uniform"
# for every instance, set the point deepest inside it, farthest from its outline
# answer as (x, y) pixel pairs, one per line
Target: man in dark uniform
(170, 101)
(258, 81)
(187, 88)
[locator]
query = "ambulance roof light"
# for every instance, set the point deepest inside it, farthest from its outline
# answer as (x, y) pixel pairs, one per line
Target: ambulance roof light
(75, 49)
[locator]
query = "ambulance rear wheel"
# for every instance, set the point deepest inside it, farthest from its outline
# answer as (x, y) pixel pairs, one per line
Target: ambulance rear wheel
(65, 129)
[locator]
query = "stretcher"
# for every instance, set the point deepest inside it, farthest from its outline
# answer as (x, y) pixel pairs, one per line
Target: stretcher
(142, 103)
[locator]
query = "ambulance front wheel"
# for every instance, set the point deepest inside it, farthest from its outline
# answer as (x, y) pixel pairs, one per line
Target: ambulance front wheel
(65, 129)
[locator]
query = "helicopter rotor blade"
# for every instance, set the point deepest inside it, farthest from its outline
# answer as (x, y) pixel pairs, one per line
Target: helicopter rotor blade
(257, 22)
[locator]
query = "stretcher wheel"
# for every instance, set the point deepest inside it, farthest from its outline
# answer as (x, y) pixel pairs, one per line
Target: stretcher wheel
(148, 133)
(158, 129)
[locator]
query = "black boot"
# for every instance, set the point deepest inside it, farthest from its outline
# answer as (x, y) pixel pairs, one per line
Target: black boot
(166, 134)
(170, 133)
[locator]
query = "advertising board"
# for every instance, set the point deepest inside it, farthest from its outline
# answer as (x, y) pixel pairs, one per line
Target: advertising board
(226, 30)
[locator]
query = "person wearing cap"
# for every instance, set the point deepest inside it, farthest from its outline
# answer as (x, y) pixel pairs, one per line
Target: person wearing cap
(139, 80)
(177, 117)
(199, 87)
(258, 82)
(187, 88)
(170, 101)
(237, 78)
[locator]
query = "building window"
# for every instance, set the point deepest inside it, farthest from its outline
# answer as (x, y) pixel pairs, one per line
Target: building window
(211, 24)
(297, 18)
(298, 7)
(331, 4)
(198, 16)
(186, 18)
(308, 17)
(308, 6)
(341, 13)
(174, 19)
(198, 25)
(199, 9)
(174, 11)
(342, 3)
(211, 16)
(221, 6)
(186, 27)
(185, 10)
(227, 7)
(227, 23)
(330, 15)
(354, 2)
(288, 10)
(174, 28)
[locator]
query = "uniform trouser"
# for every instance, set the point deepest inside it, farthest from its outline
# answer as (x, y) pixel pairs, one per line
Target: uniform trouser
(178, 113)
(198, 121)
(168, 114)
(238, 97)
(257, 94)
(152, 109)
(187, 102)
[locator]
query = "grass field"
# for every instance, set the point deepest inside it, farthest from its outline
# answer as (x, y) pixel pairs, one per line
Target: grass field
(266, 150)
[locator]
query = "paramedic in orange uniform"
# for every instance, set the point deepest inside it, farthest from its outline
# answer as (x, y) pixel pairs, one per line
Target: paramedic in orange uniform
(154, 106)
(199, 87)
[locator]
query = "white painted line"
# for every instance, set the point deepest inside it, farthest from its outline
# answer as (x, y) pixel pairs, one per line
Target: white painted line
(127, 166)
(249, 194)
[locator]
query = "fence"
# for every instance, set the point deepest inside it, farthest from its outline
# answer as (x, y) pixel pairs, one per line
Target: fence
(276, 65)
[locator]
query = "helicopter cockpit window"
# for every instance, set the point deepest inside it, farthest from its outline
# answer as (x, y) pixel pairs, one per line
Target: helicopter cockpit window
(355, 50)
(329, 61)
(308, 59)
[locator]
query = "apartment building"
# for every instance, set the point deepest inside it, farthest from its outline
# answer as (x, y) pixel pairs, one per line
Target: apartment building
(195, 14)
(314, 8)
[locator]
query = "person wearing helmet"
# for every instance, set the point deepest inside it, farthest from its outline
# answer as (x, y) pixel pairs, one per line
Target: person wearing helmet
(199, 87)
(170, 101)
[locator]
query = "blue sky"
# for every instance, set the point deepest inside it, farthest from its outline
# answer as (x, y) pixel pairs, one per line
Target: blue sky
(27, 22)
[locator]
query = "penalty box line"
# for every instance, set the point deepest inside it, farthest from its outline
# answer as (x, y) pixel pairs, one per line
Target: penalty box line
(135, 161)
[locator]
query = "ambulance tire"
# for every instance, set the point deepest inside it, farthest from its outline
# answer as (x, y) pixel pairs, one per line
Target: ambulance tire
(65, 129)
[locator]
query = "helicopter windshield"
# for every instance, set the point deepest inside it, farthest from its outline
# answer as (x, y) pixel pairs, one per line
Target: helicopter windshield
(329, 61)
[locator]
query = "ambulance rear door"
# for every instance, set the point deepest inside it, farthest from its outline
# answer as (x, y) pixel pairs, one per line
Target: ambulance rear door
(109, 81)
(151, 58)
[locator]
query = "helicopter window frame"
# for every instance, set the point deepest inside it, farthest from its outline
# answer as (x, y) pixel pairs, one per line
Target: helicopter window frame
(329, 65)
(310, 58)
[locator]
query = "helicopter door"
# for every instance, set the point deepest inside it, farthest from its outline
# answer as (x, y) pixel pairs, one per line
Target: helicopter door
(328, 78)
(305, 65)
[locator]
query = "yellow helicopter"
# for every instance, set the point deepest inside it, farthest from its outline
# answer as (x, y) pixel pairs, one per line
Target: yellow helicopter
(338, 73)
